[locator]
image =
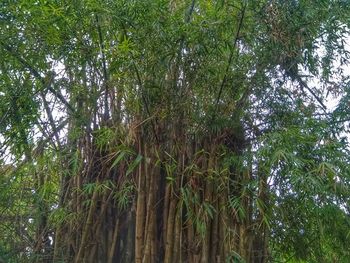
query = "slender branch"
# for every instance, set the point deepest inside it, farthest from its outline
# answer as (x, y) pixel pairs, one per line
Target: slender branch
(58, 129)
(4, 116)
(304, 85)
(181, 47)
(105, 73)
(36, 74)
(41, 144)
(145, 101)
(224, 80)
(190, 12)
(49, 137)
(50, 117)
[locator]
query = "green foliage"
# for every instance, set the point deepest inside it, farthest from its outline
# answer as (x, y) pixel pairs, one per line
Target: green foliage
(124, 195)
(234, 257)
(134, 164)
(198, 211)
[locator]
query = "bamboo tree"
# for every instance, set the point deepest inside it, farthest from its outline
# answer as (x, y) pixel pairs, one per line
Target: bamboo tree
(173, 131)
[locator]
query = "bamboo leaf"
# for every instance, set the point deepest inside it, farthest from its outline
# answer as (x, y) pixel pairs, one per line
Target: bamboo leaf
(134, 164)
(121, 156)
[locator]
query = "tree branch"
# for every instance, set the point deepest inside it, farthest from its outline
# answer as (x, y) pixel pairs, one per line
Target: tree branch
(304, 85)
(145, 101)
(51, 119)
(36, 74)
(105, 73)
(224, 80)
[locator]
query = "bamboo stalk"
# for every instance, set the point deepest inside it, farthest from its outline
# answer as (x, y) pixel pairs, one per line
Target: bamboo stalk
(169, 244)
(130, 236)
(177, 233)
(150, 221)
(88, 224)
(114, 242)
(140, 214)
(214, 235)
(166, 213)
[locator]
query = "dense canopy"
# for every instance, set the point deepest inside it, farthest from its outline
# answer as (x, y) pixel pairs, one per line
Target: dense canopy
(174, 131)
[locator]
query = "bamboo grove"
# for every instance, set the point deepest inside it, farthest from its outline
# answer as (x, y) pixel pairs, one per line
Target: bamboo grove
(174, 131)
